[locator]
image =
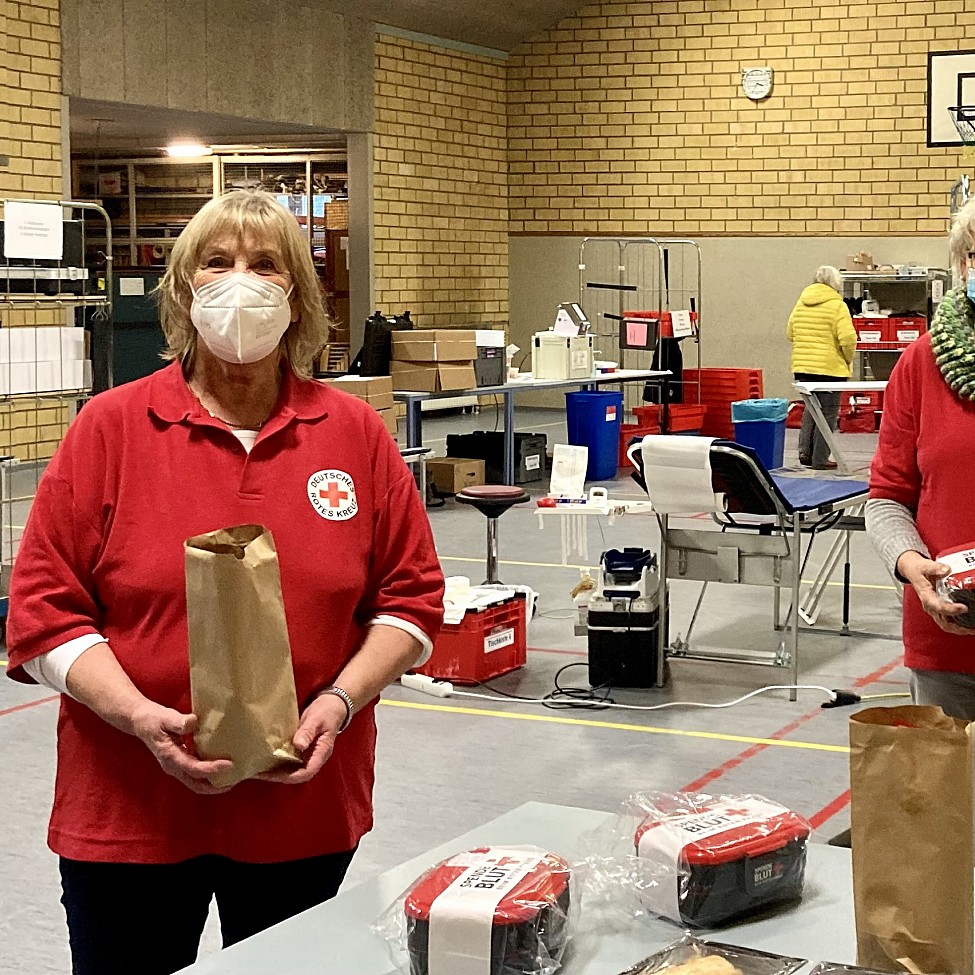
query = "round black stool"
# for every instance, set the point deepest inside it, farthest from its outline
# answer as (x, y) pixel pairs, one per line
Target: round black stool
(492, 500)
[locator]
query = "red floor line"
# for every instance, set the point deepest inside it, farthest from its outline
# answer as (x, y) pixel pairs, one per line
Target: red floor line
(880, 673)
(748, 753)
(828, 811)
(29, 704)
(753, 750)
(567, 653)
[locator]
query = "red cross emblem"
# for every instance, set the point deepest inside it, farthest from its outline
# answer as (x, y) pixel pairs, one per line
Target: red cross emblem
(334, 494)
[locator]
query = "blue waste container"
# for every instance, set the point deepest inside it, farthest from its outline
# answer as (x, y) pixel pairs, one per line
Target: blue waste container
(760, 424)
(593, 421)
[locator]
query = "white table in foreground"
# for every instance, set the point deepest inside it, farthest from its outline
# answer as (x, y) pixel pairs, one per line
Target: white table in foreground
(808, 393)
(414, 401)
(336, 937)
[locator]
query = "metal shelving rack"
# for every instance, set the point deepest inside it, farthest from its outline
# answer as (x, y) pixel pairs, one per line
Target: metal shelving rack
(33, 421)
(902, 293)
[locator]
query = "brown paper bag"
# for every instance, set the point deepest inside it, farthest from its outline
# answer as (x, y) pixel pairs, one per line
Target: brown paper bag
(911, 814)
(241, 678)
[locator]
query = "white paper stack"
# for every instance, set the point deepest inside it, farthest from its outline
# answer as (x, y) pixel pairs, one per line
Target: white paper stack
(43, 360)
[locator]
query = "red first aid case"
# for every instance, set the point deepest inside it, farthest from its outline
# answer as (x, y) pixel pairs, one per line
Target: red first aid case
(732, 856)
(529, 926)
(959, 585)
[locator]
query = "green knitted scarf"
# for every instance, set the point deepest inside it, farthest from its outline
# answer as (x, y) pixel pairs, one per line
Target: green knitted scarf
(953, 342)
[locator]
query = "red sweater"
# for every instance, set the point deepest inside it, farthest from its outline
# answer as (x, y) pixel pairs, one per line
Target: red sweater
(143, 468)
(923, 461)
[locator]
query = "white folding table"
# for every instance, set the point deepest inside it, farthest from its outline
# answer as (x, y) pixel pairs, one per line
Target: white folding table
(808, 393)
(415, 400)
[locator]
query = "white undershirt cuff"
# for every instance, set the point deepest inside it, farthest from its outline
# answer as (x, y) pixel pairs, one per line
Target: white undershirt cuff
(51, 668)
(425, 642)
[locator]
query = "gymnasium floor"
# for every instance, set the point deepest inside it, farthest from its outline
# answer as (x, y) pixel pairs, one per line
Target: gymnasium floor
(502, 753)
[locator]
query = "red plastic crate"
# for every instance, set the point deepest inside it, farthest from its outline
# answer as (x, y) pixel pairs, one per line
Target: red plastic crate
(859, 411)
(486, 643)
(857, 422)
(904, 329)
(741, 380)
(630, 430)
(870, 331)
(719, 388)
(681, 417)
(858, 402)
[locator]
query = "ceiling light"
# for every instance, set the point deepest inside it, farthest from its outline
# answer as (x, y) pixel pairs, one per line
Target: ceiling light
(185, 150)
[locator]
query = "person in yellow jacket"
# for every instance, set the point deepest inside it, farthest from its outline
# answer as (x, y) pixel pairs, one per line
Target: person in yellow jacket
(823, 342)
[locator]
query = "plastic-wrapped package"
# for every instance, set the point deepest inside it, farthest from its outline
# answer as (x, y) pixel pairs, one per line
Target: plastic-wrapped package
(692, 957)
(959, 585)
(701, 860)
(488, 911)
(833, 968)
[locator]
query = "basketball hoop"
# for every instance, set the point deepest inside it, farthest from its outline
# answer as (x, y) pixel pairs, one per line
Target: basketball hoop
(964, 118)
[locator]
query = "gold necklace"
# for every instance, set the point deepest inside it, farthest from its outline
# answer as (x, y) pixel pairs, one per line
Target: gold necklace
(229, 423)
(237, 426)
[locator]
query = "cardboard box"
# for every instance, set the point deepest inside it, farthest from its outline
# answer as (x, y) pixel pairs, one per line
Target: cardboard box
(389, 418)
(377, 391)
(433, 377)
(434, 345)
(452, 474)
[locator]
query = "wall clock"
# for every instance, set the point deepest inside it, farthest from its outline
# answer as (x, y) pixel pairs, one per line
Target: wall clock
(756, 82)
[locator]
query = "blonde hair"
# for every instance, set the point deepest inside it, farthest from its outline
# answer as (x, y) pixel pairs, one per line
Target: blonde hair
(961, 238)
(244, 214)
(830, 276)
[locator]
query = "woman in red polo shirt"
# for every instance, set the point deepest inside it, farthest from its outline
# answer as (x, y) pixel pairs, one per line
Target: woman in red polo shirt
(233, 432)
(920, 483)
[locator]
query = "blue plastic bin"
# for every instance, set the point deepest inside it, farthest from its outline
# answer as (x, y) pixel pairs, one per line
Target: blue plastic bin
(593, 421)
(760, 424)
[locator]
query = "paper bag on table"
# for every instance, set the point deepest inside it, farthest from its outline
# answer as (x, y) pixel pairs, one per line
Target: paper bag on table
(911, 815)
(241, 677)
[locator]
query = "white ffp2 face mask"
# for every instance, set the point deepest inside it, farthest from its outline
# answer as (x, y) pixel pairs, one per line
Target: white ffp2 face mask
(241, 318)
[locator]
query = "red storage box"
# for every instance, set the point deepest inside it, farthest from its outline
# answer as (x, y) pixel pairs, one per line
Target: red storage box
(630, 430)
(681, 417)
(859, 411)
(870, 331)
(793, 419)
(860, 401)
(529, 928)
(488, 641)
(733, 855)
(719, 388)
(905, 329)
(665, 318)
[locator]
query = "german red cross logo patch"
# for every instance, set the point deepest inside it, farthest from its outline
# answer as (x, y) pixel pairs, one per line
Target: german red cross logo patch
(332, 495)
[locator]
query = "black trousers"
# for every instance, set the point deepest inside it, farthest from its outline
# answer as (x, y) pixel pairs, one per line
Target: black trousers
(148, 918)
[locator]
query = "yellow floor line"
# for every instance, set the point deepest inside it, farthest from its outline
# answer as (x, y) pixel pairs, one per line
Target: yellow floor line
(586, 723)
(645, 729)
(558, 565)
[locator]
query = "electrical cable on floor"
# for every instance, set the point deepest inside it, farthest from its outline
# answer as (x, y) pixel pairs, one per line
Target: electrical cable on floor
(580, 697)
(560, 698)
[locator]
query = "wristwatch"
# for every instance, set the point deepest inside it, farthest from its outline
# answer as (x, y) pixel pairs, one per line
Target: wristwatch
(346, 699)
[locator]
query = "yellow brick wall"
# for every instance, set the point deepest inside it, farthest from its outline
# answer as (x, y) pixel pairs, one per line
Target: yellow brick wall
(30, 134)
(440, 184)
(629, 118)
